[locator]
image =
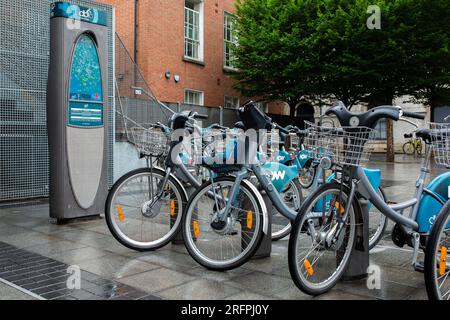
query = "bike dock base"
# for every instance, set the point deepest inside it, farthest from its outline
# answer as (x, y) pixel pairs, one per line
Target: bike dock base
(359, 260)
(265, 248)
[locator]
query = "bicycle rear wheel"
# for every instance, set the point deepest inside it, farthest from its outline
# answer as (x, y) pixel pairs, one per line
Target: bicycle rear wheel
(409, 148)
(437, 257)
(377, 222)
(136, 217)
(316, 265)
(223, 246)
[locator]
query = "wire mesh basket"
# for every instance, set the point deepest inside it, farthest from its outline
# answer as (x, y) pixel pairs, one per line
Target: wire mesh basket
(151, 141)
(219, 142)
(344, 145)
(440, 141)
(292, 142)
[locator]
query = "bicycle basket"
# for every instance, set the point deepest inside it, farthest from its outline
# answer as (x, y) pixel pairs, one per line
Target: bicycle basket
(292, 142)
(440, 141)
(150, 141)
(344, 145)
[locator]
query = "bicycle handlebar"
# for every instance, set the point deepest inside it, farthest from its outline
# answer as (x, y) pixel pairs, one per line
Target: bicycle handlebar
(200, 116)
(413, 115)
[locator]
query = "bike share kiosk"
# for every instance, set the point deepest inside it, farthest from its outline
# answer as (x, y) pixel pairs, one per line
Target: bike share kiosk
(76, 111)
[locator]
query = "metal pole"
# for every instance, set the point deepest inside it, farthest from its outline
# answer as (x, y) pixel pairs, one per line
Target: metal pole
(179, 106)
(221, 115)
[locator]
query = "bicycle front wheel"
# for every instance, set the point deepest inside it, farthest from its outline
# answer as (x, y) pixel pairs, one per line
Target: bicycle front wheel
(322, 239)
(293, 198)
(138, 215)
(224, 245)
(306, 176)
(437, 257)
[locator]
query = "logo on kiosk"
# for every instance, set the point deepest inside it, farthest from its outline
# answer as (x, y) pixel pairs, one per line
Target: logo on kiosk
(87, 14)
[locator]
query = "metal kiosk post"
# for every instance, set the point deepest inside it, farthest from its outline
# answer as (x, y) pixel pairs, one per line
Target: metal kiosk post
(76, 113)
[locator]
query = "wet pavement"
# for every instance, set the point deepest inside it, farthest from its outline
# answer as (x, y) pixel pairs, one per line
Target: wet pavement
(36, 255)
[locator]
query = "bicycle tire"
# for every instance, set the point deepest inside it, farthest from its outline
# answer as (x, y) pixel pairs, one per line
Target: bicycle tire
(408, 148)
(187, 234)
(431, 252)
(379, 234)
(109, 213)
(297, 227)
(287, 229)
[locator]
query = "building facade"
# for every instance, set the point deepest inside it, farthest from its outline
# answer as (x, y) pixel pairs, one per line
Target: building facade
(182, 47)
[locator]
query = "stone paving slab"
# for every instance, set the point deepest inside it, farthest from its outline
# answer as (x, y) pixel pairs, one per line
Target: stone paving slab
(9, 293)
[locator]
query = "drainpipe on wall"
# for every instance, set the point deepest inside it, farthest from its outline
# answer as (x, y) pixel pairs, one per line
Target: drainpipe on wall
(135, 30)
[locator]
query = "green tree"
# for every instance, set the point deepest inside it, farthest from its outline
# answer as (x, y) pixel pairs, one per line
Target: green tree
(274, 60)
(428, 44)
(292, 49)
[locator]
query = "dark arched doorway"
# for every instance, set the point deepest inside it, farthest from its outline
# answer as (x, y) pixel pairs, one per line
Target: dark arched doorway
(304, 112)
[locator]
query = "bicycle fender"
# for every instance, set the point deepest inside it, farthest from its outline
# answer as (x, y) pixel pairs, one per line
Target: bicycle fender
(429, 207)
(283, 157)
(261, 201)
(280, 174)
(303, 157)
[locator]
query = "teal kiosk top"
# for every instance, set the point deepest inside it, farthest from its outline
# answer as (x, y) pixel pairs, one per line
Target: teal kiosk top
(80, 13)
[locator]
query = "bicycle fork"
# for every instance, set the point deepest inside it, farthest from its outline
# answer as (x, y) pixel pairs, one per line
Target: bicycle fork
(223, 214)
(335, 232)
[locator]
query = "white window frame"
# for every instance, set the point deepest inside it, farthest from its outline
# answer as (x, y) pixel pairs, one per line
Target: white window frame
(237, 100)
(199, 5)
(263, 106)
(202, 96)
(227, 57)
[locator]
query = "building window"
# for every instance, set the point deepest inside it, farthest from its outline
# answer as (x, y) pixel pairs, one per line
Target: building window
(263, 106)
(380, 130)
(193, 97)
(193, 29)
(231, 102)
(230, 40)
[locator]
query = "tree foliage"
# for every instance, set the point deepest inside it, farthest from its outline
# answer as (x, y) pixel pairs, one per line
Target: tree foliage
(292, 49)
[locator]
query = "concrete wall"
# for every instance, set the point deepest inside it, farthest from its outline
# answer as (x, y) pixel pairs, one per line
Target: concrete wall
(126, 158)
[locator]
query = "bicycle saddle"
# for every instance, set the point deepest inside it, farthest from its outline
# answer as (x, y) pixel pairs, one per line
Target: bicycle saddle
(239, 125)
(178, 120)
(407, 135)
(365, 119)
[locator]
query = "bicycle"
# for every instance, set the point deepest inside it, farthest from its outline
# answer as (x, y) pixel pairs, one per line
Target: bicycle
(413, 145)
(303, 159)
(330, 240)
(144, 207)
(226, 217)
(437, 261)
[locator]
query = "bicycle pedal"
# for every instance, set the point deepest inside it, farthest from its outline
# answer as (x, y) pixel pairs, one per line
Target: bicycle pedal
(419, 267)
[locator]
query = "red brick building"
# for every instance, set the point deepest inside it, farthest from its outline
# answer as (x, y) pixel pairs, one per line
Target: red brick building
(182, 47)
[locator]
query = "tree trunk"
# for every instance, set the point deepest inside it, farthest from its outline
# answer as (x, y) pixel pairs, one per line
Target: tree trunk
(390, 152)
(385, 98)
